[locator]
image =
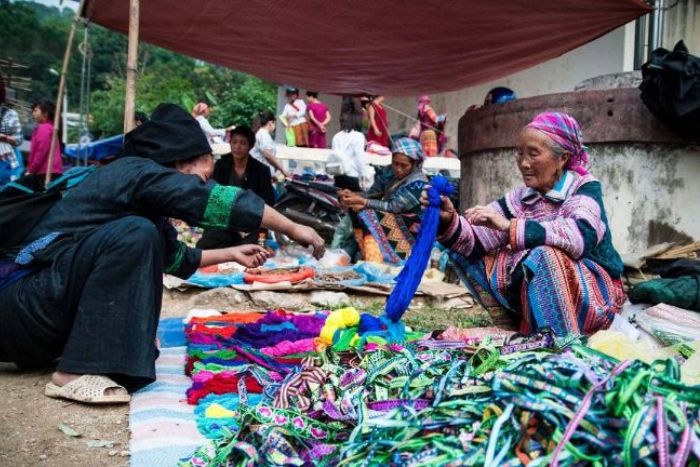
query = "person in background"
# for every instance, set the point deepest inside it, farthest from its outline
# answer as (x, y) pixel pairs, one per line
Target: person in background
(319, 117)
(294, 117)
(265, 149)
(349, 147)
(10, 138)
(388, 215)
(239, 169)
(201, 112)
(43, 112)
(364, 106)
(378, 131)
(348, 152)
(429, 127)
(543, 251)
(500, 95)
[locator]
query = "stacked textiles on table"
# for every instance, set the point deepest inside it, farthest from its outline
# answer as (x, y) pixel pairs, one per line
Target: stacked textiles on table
(284, 389)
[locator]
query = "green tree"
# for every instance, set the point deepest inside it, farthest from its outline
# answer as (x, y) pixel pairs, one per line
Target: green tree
(35, 35)
(241, 103)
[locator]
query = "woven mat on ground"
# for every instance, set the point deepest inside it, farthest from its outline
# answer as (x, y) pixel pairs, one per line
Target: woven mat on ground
(163, 427)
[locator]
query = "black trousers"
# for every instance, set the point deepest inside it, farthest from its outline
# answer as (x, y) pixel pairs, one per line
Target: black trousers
(95, 308)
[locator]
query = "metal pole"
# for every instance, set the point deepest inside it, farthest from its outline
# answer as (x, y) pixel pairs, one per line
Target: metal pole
(61, 90)
(639, 29)
(131, 64)
(656, 19)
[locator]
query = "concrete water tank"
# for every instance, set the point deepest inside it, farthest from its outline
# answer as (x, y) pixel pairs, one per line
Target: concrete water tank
(650, 175)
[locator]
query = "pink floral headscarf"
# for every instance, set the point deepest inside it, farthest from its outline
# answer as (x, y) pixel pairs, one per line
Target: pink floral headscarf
(565, 132)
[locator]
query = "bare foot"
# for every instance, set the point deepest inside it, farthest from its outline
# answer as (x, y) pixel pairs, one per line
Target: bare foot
(60, 378)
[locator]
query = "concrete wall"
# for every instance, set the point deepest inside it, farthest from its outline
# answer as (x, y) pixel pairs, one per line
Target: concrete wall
(650, 190)
(682, 22)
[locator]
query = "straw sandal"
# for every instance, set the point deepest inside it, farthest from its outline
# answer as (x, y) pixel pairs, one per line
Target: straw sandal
(89, 389)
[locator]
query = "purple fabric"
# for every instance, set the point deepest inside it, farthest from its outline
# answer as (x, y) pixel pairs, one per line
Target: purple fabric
(565, 132)
(256, 336)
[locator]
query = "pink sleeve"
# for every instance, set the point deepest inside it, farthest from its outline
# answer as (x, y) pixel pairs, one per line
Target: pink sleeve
(461, 237)
(39, 150)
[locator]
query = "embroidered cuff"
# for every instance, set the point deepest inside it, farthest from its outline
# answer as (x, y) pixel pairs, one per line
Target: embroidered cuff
(227, 200)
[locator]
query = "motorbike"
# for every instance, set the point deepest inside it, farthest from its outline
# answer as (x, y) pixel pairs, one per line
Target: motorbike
(312, 204)
(316, 205)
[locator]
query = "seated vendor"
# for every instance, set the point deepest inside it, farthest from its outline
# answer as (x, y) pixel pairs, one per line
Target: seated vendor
(387, 217)
(85, 290)
(544, 251)
(239, 169)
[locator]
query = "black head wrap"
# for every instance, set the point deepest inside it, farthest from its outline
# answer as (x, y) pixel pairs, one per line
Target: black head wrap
(170, 135)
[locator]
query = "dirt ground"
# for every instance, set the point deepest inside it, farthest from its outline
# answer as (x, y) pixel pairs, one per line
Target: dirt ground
(29, 421)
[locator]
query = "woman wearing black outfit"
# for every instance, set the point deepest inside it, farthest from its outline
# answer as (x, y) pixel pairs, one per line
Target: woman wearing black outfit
(239, 169)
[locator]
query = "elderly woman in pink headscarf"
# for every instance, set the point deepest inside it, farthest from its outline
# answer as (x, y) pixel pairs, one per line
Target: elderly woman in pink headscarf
(201, 112)
(431, 124)
(543, 251)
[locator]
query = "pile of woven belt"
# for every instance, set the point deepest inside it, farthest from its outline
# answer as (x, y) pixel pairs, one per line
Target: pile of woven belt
(322, 389)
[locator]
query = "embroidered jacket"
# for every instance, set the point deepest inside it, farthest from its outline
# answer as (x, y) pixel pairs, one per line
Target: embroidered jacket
(396, 196)
(570, 217)
(135, 186)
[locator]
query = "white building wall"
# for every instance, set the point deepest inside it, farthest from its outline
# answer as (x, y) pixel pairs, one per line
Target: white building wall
(606, 54)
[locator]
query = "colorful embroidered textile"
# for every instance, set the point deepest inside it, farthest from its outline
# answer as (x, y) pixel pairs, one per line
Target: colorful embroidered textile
(428, 139)
(547, 289)
(384, 237)
(563, 404)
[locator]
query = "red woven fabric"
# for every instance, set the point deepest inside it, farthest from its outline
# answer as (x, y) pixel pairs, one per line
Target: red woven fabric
(221, 385)
(379, 47)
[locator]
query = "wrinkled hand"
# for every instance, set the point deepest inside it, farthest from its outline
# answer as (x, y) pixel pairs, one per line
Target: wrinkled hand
(447, 209)
(306, 236)
(486, 217)
(250, 256)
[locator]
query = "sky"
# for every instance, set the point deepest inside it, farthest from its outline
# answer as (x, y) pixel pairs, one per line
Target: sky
(73, 5)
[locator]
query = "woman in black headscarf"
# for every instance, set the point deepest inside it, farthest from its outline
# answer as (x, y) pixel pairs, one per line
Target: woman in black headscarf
(86, 287)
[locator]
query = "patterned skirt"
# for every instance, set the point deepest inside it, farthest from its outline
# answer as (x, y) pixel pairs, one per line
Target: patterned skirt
(429, 141)
(301, 134)
(383, 237)
(546, 288)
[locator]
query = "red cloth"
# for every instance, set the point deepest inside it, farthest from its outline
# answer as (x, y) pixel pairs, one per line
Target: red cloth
(381, 122)
(39, 151)
(403, 50)
(220, 384)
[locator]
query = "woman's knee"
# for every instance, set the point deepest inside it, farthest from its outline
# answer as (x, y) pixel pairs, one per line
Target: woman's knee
(131, 235)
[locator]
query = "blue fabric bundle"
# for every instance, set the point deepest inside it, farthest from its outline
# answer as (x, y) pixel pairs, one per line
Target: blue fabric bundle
(409, 278)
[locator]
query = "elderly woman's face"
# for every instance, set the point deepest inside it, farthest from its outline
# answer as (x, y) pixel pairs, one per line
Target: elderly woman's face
(538, 164)
(401, 165)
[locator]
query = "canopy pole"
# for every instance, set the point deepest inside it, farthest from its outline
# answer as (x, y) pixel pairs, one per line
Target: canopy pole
(131, 64)
(61, 91)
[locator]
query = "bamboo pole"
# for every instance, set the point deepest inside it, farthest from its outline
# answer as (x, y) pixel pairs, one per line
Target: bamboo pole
(131, 64)
(61, 90)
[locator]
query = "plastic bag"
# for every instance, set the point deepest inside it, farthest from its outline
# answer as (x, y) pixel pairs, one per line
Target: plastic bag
(669, 324)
